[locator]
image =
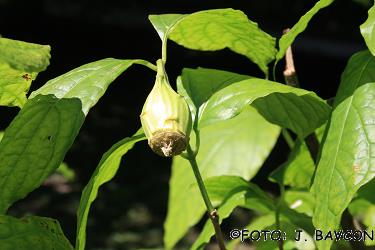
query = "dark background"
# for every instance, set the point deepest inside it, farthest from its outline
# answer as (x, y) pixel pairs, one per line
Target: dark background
(130, 210)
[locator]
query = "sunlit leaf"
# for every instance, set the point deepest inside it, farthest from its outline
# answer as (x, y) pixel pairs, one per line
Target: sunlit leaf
(368, 30)
(104, 172)
(14, 84)
(37, 140)
(234, 147)
(217, 29)
(23, 56)
(287, 39)
(300, 110)
(31, 232)
(347, 159)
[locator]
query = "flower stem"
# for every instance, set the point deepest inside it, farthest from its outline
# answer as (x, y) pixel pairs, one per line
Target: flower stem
(212, 212)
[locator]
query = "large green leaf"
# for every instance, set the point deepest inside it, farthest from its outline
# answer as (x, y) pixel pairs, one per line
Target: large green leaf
(36, 141)
(24, 56)
(200, 84)
(348, 158)
(105, 171)
(368, 30)
(14, 84)
(218, 29)
(88, 82)
(31, 233)
(234, 147)
(287, 39)
(300, 110)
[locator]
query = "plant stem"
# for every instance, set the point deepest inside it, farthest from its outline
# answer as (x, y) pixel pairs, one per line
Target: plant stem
(277, 214)
(288, 138)
(212, 212)
(291, 79)
(146, 63)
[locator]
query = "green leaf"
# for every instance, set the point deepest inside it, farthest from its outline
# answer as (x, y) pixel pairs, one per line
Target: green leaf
(368, 30)
(300, 110)
(300, 201)
(31, 232)
(14, 84)
(200, 84)
(234, 147)
(347, 159)
(246, 133)
(287, 39)
(88, 82)
(242, 194)
(221, 187)
(37, 140)
(217, 29)
(104, 172)
(164, 23)
(298, 170)
(224, 211)
(24, 56)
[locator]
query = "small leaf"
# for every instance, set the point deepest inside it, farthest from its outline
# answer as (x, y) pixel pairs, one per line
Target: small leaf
(287, 39)
(347, 160)
(211, 30)
(37, 140)
(104, 172)
(24, 56)
(234, 147)
(31, 232)
(300, 110)
(163, 23)
(368, 30)
(14, 85)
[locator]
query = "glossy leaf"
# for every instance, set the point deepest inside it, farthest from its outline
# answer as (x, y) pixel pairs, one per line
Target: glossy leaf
(200, 84)
(37, 140)
(368, 30)
(234, 147)
(164, 23)
(24, 56)
(31, 233)
(14, 84)
(217, 29)
(104, 172)
(287, 39)
(347, 160)
(248, 133)
(88, 82)
(297, 109)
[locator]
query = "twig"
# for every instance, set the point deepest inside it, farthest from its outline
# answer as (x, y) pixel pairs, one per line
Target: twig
(212, 212)
(291, 79)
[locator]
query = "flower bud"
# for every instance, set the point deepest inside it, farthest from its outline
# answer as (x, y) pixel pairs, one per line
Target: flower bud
(166, 118)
